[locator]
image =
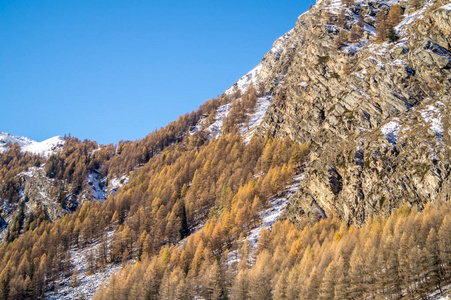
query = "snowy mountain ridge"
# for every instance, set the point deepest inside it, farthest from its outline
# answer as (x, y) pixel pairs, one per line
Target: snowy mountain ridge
(44, 148)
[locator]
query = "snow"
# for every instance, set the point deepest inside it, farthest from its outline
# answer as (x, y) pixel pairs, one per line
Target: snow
(31, 172)
(410, 18)
(116, 183)
(277, 206)
(360, 91)
(391, 130)
(278, 44)
(97, 185)
(44, 148)
(447, 6)
(252, 77)
(199, 126)
(34, 172)
(354, 48)
(433, 115)
(256, 118)
(378, 49)
(441, 294)
(221, 113)
(268, 217)
(334, 6)
(88, 284)
(243, 83)
(378, 62)
(370, 29)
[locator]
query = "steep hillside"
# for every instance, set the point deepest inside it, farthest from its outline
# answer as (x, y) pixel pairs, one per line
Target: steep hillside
(343, 130)
(375, 112)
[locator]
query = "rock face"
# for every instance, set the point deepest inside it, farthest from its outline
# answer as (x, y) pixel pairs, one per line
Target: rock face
(375, 113)
(51, 196)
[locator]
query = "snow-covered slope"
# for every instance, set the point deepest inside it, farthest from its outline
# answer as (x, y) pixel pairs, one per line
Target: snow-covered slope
(44, 148)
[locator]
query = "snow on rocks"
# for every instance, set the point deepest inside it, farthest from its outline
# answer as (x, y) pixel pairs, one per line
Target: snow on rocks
(253, 76)
(378, 62)
(334, 6)
(378, 49)
(199, 125)
(44, 148)
(360, 91)
(431, 114)
(221, 113)
(256, 118)
(400, 28)
(277, 48)
(243, 83)
(97, 185)
(444, 293)
(391, 130)
(354, 48)
(116, 183)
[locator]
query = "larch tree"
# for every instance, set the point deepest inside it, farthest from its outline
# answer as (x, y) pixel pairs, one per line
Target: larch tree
(381, 25)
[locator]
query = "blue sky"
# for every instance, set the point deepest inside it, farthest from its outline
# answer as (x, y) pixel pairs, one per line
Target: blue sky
(112, 70)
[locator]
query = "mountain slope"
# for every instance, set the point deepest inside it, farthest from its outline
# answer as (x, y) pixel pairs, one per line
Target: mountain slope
(375, 112)
(361, 87)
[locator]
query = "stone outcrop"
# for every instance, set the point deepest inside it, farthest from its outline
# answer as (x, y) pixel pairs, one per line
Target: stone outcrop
(376, 114)
(53, 197)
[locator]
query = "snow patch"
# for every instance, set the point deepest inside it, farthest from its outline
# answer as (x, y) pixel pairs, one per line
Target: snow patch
(378, 49)
(88, 284)
(199, 126)
(243, 83)
(360, 91)
(447, 6)
(116, 183)
(378, 62)
(256, 118)
(97, 185)
(400, 28)
(433, 115)
(334, 6)
(221, 113)
(277, 207)
(353, 49)
(391, 130)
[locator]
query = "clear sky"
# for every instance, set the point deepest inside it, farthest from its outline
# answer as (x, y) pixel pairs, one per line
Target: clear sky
(112, 70)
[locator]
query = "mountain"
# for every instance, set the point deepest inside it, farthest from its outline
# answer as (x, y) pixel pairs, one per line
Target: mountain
(373, 111)
(323, 172)
(44, 148)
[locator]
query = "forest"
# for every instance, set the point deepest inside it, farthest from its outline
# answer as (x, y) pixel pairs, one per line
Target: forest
(185, 185)
(221, 185)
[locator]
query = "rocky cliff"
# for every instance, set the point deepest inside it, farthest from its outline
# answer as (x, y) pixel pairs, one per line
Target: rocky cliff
(375, 113)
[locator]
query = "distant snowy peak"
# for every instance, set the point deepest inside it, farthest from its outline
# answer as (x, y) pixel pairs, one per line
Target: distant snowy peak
(44, 148)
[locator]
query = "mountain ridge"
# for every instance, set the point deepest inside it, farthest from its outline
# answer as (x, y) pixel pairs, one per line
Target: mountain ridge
(44, 148)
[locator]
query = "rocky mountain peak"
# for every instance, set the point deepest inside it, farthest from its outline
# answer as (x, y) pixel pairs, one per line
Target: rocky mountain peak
(351, 97)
